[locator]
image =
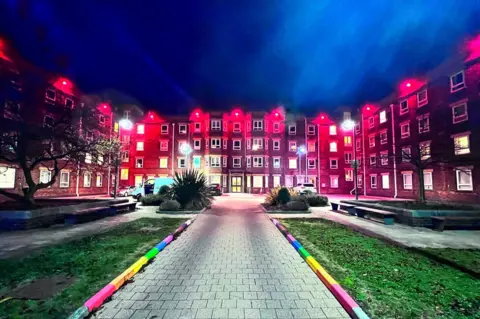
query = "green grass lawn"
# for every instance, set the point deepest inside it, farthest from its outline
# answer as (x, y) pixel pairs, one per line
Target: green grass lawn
(468, 258)
(94, 261)
(388, 281)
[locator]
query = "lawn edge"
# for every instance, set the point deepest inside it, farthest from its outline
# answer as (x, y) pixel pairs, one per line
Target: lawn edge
(103, 294)
(347, 302)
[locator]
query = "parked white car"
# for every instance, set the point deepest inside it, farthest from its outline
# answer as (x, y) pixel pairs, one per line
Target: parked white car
(302, 188)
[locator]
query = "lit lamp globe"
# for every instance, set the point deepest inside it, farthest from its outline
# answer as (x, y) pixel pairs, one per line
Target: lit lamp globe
(185, 149)
(348, 125)
(126, 124)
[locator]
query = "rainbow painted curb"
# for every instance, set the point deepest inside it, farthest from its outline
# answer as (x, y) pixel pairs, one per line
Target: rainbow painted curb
(99, 298)
(342, 296)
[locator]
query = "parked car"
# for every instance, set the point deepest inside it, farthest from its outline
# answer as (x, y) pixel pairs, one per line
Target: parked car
(303, 188)
(124, 191)
(151, 186)
(215, 189)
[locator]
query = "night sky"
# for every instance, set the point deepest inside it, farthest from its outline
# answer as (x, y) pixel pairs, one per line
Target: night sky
(172, 55)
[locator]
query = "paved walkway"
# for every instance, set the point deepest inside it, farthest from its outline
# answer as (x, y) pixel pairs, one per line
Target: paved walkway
(419, 237)
(230, 263)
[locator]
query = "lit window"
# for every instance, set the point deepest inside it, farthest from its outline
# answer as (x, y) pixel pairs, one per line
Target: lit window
(197, 144)
(311, 130)
(236, 127)
(464, 178)
(311, 146)
(459, 113)
(422, 98)
(462, 144)
(276, 127)
(333, 163)
(428, 180)
(383, 116)
(163, 162)
(139, 162)
(64, 179)
(257, 144)
(292, 129)
(371, 141)
(45, 176)
(405, 130)
(457, 81)
(164, 129)
(276, 145)
(140, 146)
(258, 125)
(348, 157)
(215, 161)
(349, 175)
(216, 125)
(181, 162)
(196, 161)
(407, 180)
(138, 179)
(88, 158)
(140, 129)
(87, 179)
(347, 140)
(373, 159)
(406, 154)
(292, 163)
(385, 181)
(182, 129)
(404, 107)
(423, 123)
(276, 181)
(237, 162)
(257, 181)
(163, 146)
(332, 130)
(373, 181)
(425, 150)
(215, 143)
(292, 146)
(311, 163)
(333, 146)
(124, 174)
(197, 127)
(371, 122)
(257, 161)
(99, 180)
(333, 181)
(383, 137)
(384, 158)
(276, 162)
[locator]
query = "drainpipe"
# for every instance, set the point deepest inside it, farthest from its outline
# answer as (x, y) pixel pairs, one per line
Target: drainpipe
(394, 154)
(306, 152)
(318, 156)
(77, 181)
(364, 162)
(173, 149)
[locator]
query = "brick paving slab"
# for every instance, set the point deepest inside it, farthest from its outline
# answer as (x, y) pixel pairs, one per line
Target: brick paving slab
(231, 262)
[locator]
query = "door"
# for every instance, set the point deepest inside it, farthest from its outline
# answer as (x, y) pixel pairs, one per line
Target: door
(236, 184)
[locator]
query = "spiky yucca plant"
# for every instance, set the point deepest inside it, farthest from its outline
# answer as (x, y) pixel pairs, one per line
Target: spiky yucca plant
(189, 188)
(272, 196)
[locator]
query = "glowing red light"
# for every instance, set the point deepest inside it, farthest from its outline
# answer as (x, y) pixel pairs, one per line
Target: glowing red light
(151, 116)
(322, 117)
(104, 106)
(196, 114)
(236, 113)
(409, 84)
(276, 114)
(64, 82)
(368, 108)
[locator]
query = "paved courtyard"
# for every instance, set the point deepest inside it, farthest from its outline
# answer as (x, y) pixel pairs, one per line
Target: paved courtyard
(230, 263)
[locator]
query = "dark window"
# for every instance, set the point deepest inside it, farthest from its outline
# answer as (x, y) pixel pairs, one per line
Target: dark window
(51, 94)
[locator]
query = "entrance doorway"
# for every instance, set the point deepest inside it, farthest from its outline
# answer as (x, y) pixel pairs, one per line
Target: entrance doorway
(236, 184)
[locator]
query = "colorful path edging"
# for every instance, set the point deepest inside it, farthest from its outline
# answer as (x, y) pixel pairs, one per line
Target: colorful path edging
(99, 298)
(342, 296)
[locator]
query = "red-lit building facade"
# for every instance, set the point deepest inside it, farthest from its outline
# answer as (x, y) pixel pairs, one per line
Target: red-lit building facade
(241, 151)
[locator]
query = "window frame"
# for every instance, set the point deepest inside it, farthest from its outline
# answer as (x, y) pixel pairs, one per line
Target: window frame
(373, 177)
(404, 159)
(61, 183)
(164, 143)
(137, 162)
(384, 119)
(428, 187)
(425, 118)
(256, 158)
(215, 127)
(334, 177)
(331, 161)
(184, 131)
(294, 131)
(309, 129)
(162, 130)
(459, 170)
(179, 161)
(215, 145)
(402, 125)
(374, 157)
(239, 147)
(423, 102)
(350, 157)
(462, 118)
(459, 86)
(276, 148)
(383, 180)
(257, 125)
(290, 148)
(195, 147)
(332, 130)
(89, 184)
(383, 158)
(276, 160)
(160, 160)
(293, 160)
(461, 151)
(401, 109)
(142, 143)
(371, 138)
(314, 163)
(383, 141)
(239, 164)
(407, 186)
(334, 149)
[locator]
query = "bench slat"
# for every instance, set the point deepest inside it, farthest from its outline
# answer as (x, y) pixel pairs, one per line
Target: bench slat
(373, 210)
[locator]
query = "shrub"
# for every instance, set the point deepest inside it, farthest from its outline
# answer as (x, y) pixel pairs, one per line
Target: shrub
(272, 197)
(283, 196)
(297, 205)
(164, 190)
(152, 200)
(316, 200)
(299, 198)
(189, 188)
(169, 204)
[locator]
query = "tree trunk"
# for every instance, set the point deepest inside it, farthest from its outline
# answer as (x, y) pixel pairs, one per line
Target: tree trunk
(28, 196)
(421, 183)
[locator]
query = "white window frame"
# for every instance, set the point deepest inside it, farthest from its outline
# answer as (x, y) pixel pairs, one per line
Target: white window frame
(237, 162)
(292, 163)
(371, 140)
(215, 143)
(140, 128)
(225, 143)
(195, 142)
(101, 120)
(428, 186)
(99, 181)
(140, 146)
(311, 146)
(423, 102)
(276, 145)
(87, 182)
(181, 162)
(194, 158)
(257, 161)
(164, 129)
(371, 122)
(237, 147)
(163, 160)
(276, 127)
(382, 116)
(332, 130)
(294, 131)
(422, 146)
(309, 163)
(258, 125)
(237, 127)
(349, 175)
(334, 178)
(137, 162)
(54, 94)
(333, 163)
(124, 177)
(406, 159)
(384, 141)
(333, 146)
(62, 183)
(384, 158)
(292, 146)
(45, 176)
(405, 175)
(425, 118)
(374, 157)
(458, 151)
(462, 118)
(197, 127)
(459, 86)
(276, 162)
(348, 157)
(182, 129)
(257, 181)
(373, 177)
(215, 125)
(347, 141)
(215, 161)
(224, 161)
(311, 129)
(257, 144)
(464, 187)
(249, 161)
(383, 181)
(405, 109)
(163, 146)
(404, 134)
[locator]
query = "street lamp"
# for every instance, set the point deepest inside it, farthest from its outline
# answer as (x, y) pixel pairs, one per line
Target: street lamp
(300, 151)
(186, 150)
(125, 124)
(349, 125)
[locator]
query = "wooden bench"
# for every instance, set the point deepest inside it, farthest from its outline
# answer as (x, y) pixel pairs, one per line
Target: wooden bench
(336, 206)
(387, 218)
(85, 215)
(439, 222)
(123, 206)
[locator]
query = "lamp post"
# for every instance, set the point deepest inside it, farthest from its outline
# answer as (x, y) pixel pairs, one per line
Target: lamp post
(300, 151)
(126, 124)
(349, 125)
(186, 150)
